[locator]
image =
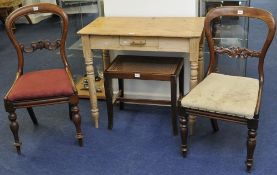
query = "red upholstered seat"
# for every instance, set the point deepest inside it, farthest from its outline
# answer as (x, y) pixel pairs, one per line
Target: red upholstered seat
(41, 84)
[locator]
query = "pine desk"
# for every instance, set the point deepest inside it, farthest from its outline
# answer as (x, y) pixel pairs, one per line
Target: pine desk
(157, 34)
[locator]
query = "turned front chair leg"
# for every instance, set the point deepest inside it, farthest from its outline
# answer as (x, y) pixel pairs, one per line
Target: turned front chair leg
(76, 118)
(14, 128)
(251, 144)
(184, 134)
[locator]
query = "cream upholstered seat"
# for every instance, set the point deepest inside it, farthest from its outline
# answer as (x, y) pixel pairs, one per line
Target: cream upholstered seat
(224, 94)
(223, 97)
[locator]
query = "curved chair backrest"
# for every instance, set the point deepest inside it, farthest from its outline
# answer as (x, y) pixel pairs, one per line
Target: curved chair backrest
(34, 9)
(236, 52)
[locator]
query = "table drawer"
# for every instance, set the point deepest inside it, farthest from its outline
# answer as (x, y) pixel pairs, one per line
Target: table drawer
(139, 41)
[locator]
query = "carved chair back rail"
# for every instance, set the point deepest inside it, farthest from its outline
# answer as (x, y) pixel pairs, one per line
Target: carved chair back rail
(237, 52)
(34, 9)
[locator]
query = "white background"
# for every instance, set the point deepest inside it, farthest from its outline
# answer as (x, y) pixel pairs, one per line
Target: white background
(155, 8)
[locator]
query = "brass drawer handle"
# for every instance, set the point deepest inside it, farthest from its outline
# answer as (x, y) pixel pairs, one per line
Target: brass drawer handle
(138, 42)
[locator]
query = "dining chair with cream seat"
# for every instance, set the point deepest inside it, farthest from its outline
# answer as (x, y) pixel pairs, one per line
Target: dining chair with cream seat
(224, 97)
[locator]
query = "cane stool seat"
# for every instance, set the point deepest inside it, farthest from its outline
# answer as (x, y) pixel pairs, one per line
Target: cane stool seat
(144, 68)
(10, 3)
(7, 7)
(159, 67)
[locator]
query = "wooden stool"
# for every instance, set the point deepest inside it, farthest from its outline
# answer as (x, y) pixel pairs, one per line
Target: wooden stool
(144, 68)
(7, 7)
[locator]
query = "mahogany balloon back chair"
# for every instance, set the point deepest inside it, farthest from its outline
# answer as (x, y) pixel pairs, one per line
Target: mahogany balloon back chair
(224, 97)
(41, 87)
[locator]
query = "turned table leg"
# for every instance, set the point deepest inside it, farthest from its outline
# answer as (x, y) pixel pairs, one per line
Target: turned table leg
(195, 73)
(91, 78)
(201, 61)
(193, 82)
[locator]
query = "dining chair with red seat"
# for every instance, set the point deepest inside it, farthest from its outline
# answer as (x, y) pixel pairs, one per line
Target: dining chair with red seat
(41, 87)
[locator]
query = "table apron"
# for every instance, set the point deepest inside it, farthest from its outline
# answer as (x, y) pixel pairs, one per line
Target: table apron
(159, 44)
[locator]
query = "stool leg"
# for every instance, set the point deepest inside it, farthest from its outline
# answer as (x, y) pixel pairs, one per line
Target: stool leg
(173, 84)
(181, 83)
(2, 20)
(214, 125)
(121, 88)
(109, 100)
(27, 17)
